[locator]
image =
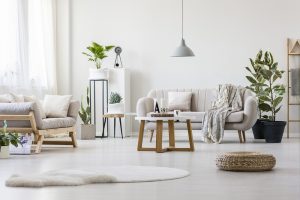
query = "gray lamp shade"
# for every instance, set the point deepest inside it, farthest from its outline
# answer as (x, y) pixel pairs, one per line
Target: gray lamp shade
(183, 50)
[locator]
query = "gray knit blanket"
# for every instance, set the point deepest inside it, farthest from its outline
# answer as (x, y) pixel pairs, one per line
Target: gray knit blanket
(229, 100)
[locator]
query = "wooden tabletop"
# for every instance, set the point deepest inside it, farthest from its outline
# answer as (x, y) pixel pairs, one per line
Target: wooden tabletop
(165, 118)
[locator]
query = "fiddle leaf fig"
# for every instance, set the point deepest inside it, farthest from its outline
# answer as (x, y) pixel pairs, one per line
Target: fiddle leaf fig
(264, 74)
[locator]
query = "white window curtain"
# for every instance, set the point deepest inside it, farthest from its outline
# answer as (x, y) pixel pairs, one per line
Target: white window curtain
(27, 47)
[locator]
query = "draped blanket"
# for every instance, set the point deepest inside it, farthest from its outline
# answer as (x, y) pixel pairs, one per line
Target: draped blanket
(229, 100)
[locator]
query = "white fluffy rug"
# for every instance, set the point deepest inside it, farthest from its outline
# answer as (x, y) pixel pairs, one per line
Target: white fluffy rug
(75, 177)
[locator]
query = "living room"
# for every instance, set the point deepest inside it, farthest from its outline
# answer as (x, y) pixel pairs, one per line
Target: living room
(165, 140)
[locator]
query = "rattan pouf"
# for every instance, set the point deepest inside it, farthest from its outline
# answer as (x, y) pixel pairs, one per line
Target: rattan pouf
(245, 161)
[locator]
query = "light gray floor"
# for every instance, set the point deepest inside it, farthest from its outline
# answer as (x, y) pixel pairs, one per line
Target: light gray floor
(205, 182)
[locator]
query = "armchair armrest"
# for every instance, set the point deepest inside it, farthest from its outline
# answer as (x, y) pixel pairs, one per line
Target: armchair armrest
(144, 106)
(73, 109)
(250, 112)
(21, 109)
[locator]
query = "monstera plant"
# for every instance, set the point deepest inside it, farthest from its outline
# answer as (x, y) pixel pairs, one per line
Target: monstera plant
(264, 75)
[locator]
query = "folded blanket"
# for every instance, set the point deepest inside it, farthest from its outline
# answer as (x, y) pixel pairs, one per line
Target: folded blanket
(229, 99)
(295, 81)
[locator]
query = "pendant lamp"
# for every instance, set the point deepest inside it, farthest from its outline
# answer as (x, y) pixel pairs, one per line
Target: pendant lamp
(182, 50)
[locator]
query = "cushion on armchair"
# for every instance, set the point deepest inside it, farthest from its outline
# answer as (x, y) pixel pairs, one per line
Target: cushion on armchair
(56, 106)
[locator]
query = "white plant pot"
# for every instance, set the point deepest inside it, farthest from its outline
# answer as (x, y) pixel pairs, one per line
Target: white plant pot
(88, 131)
(116, 108)
(4, 152)
(96, 74)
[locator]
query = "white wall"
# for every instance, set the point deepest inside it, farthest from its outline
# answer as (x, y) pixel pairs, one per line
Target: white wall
(223, 34)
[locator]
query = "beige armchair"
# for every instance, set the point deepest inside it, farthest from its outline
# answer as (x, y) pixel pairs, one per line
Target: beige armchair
(26, 118)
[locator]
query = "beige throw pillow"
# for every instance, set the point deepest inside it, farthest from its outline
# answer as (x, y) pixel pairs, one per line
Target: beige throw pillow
(17, 98)
(56, 105)
(38, 104)
(179, 101)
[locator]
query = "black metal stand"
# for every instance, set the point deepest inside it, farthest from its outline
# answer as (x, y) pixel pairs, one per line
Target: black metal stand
(93, 103)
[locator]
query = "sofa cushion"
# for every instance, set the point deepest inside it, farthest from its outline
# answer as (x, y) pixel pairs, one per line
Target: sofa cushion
(179, 101)
(56, 105)
(51, 123)
(38, 103)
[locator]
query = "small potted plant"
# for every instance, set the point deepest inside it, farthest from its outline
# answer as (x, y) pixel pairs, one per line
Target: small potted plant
(96, 54)
(115, 106)
(6, 139)
(270, 97)
(88, 130)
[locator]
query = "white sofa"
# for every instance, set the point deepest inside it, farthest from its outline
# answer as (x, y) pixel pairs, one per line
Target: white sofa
(201, 102)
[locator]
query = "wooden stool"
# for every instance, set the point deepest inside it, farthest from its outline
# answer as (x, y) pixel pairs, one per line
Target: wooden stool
(107, 116)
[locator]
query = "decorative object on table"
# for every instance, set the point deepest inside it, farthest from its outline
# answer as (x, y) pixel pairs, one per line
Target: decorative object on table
(114, 116)
(112, 174)
(176, 113)
(96, 54)
(7, 138)
(182, 50)
(164, 105)
(162, 115)
(293, 80)
(156, 109)
(25, 148)
(264, 75)
(245, 161)
(88, 130)
(118, 60)
(115, 105)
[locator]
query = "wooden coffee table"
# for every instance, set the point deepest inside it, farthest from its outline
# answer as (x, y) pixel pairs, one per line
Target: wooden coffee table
(159, 131)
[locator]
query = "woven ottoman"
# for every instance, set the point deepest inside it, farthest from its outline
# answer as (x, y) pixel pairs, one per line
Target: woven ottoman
(245, 161)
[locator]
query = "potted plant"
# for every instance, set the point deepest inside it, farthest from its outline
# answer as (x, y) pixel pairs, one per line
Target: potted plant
(270, 96)
(88, 130)
(96, 54)
(115, 106)
(257, 81)
(6, 139)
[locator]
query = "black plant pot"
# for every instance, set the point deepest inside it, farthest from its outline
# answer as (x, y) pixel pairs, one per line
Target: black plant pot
(273, 131)
(257, 130)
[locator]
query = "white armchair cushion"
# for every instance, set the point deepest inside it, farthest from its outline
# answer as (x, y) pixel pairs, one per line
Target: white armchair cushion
(179, 101)
(56, 105)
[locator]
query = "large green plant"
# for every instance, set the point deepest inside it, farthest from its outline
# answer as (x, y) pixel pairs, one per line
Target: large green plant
(8, 138)
(85, 112)
(264, 74)
(97, 53)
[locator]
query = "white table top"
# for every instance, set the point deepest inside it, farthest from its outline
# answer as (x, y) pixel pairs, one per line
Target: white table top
(165, 118)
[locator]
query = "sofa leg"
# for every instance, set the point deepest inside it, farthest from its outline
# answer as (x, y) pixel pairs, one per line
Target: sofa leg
(73, 138)
(244, 136)
(240, 136)
(151, 136)
(39, 142)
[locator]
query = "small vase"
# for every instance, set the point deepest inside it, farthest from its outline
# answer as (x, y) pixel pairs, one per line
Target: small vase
(88, 131)
(4, 152)
(116, 108)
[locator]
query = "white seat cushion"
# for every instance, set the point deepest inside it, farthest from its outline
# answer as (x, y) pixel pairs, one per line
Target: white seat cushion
(233, 117)
(51, 123)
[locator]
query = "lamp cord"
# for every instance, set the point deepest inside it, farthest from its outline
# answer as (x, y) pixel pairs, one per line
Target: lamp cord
(181, 19)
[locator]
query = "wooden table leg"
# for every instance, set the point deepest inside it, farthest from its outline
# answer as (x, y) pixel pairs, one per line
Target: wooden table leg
(171, 133)
(190, 132)
(141, 135)
(159, 131)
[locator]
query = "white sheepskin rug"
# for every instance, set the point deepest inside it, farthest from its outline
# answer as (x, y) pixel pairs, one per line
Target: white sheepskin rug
(76, 177)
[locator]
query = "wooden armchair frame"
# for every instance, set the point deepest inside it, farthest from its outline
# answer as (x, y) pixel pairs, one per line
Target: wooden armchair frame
(39, 134)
